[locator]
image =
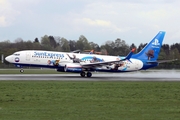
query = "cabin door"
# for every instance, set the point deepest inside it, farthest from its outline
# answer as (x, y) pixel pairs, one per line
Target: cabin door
(28, 56)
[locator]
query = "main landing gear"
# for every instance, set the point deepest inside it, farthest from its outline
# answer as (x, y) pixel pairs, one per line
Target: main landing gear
(88, 74)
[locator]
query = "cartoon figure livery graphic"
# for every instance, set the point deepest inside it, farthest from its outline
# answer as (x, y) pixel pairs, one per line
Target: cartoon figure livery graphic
(92, 59)
(95, 59)
(53, 62)
(74, 58)
(150, 54)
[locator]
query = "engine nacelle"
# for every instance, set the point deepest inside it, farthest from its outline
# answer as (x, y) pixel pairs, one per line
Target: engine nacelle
(60, 69)
(72, 67)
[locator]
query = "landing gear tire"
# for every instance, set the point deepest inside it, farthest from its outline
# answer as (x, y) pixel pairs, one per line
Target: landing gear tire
(21, 70)
(89, 74)
(83, 74)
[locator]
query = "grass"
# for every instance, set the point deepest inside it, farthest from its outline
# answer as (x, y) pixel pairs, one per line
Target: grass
(56, 100)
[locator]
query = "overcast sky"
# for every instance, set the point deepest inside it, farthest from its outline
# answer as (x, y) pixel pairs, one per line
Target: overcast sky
(135, 21)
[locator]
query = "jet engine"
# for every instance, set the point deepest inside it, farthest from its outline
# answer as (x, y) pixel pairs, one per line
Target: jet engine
(71, 67)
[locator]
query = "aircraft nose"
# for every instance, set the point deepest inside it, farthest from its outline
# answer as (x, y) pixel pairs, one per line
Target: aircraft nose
(8, 58)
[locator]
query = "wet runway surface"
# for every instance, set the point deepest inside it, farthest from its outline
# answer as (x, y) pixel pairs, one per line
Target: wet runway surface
(133, 76)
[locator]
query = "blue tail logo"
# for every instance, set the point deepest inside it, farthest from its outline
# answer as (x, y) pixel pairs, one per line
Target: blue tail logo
(151, 51)
(156, 42)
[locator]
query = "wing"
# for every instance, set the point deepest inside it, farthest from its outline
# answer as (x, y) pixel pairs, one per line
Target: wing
(99, 64)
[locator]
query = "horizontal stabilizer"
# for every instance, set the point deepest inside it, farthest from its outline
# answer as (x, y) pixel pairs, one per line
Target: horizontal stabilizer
(164, 61)
(161, 61)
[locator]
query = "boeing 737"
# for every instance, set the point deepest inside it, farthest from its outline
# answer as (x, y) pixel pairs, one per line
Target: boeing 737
(86, 63)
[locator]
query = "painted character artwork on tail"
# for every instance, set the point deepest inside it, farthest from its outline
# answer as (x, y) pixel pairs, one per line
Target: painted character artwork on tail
(150, 54)
(151, 51)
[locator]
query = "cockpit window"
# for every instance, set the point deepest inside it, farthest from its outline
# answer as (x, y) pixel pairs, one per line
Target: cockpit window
(16, 54)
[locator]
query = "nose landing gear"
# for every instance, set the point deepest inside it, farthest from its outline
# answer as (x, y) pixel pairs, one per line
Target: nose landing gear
(21, 70)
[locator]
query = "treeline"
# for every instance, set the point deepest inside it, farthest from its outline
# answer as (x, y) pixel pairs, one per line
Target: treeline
(116, 47)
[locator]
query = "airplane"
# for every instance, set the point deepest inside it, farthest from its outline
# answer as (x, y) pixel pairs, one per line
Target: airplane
(85, 64)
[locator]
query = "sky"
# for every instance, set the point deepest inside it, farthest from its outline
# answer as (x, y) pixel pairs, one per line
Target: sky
(135, 21)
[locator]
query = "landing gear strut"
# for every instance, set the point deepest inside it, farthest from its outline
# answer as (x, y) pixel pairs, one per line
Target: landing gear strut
(83, 74)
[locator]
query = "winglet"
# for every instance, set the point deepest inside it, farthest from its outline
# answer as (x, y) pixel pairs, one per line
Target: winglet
(130, 54)
(91, 52)
(133, 50)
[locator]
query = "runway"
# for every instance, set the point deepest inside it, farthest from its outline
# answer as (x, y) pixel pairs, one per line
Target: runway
(133, 76)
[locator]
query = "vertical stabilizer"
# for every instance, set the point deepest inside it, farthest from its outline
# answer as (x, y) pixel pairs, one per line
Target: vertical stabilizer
(151, 50)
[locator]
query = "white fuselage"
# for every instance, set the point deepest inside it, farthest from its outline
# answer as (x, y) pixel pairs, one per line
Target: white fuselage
(72, 61)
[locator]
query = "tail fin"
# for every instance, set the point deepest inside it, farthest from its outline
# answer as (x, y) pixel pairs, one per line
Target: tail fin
(152, 49)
